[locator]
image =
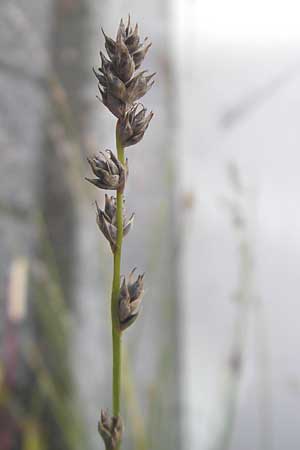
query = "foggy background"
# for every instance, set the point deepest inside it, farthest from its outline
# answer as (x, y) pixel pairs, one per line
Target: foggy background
(212, 362)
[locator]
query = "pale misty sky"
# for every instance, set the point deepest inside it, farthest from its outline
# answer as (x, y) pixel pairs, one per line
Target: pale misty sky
(261, 21)
(234, 54)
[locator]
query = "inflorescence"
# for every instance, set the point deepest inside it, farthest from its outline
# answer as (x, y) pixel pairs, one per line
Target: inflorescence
(121, 85)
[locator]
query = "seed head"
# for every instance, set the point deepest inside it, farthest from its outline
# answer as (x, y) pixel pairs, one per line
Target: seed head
(131, 294)
(132, 127)
(109, 171)
(107, 220)
(110, 429)
(119, 86)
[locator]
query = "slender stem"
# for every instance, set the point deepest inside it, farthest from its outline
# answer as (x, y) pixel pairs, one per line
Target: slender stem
(116, 333)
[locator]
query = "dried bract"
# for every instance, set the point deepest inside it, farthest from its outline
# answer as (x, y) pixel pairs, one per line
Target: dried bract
(110, 429)
(138, 86)
(107, 220)
(131, 294)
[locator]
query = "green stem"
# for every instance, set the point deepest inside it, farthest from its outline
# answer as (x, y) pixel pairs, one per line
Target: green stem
(116, 332)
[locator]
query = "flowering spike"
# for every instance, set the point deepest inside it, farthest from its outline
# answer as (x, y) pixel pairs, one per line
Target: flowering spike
(107, 220)
(120, 87)
(132, 128)
(109, 172)
(131, 294)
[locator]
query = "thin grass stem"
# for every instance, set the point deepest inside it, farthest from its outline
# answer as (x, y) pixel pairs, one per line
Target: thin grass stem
(116, 332)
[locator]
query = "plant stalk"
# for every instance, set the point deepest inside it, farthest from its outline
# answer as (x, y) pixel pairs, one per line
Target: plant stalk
(116, 332)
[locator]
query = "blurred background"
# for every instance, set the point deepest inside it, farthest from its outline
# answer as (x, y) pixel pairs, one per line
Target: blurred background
(212, 363)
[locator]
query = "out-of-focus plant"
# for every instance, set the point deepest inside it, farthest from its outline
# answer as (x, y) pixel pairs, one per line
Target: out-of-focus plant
(38, 410)
(243, 297)
(247, 301)
(120, 87)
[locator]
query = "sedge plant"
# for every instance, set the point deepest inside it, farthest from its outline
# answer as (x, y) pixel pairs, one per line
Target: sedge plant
(121, 84)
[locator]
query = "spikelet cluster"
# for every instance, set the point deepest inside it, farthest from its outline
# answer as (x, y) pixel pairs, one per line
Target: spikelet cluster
(122, 84)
